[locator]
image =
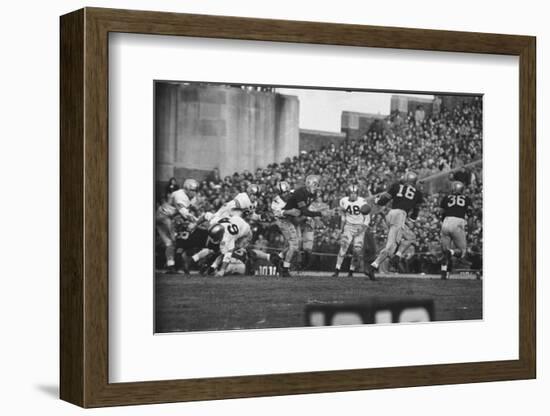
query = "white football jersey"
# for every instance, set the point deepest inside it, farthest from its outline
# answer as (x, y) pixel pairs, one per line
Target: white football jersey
(240, 202)
(181, 201)
(235, 228)
(352, 211)
(277, 206)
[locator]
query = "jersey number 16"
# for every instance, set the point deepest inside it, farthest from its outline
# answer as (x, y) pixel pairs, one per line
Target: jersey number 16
(409, 191)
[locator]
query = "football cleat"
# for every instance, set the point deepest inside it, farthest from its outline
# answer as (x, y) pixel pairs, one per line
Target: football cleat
(336, 273)
(350, 273)
(370, 270)
(285, 272)
(394, 262)
(187, 263)
(276, 260)
(170, 270)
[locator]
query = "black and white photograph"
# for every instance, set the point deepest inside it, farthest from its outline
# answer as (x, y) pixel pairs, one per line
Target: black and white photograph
(295, 206)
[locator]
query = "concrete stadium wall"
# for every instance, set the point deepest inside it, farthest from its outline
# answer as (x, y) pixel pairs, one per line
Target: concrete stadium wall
(200, 127)
(315, 140)
(355, 125)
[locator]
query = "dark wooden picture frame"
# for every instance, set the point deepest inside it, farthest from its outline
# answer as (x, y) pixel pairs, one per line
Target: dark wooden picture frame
(84, 207)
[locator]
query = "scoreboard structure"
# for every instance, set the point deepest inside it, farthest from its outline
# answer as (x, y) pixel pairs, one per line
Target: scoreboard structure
(370, 311)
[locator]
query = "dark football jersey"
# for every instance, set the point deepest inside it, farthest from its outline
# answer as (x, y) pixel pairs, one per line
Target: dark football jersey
(195, 240)
(455, 205)
(301, 198)
(405, 197)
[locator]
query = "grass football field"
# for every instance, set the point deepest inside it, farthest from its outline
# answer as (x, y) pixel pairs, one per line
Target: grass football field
(199, 303)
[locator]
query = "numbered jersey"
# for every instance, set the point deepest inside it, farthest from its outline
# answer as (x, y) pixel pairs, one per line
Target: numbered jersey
(352, 211)
(195, 240)
(405, 197)
(455, 205)
(235, 228)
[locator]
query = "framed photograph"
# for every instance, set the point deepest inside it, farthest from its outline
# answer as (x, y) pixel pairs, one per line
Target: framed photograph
(256, 207)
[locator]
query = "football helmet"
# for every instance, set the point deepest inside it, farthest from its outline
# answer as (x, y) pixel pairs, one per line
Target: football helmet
(312, 183)
(410, 178)
(191, 185)
(457, 187)
(353, 191)
(253, 189)
(283, 187)
(216, 233)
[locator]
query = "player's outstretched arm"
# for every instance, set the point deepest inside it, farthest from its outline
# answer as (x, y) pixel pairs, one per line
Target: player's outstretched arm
(382, 199)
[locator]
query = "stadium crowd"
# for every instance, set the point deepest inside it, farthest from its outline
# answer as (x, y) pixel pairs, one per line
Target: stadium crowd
(432, 146)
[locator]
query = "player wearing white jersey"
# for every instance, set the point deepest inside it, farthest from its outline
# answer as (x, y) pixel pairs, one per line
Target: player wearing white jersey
(354, 224)
(177, 203)
(243, 202)
(236, 237)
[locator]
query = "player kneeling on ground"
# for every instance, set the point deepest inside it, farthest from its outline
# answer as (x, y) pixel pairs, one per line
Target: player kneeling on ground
(455, 206)
(355, 219)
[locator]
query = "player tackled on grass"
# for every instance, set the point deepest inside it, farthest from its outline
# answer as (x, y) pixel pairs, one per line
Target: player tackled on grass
(295, 211)
(205, 240)
(455, 207)
(178, 202)
(355, 219)
(234, 245)
(406, 199)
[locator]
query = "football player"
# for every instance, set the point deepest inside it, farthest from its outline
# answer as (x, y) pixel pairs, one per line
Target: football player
(236, 238)
(406, 199)
(354, 224)
(206, 240)
(243, 202)
(177, 203)
(295, 211)
(455, 207)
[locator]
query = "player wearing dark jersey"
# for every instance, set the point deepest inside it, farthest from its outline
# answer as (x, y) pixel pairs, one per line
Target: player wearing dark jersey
(454, 207)
(295, 211)
(205, 241)
(406, 199)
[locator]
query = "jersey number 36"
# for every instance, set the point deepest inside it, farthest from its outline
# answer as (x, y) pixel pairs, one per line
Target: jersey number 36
(456, 200)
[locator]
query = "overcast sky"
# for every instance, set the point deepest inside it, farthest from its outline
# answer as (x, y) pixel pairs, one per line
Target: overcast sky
(322, 109)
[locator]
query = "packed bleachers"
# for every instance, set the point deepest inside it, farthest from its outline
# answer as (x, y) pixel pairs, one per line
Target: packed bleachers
(434, 147)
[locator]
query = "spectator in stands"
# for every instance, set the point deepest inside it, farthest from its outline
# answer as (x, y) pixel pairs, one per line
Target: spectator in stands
(171, 186)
